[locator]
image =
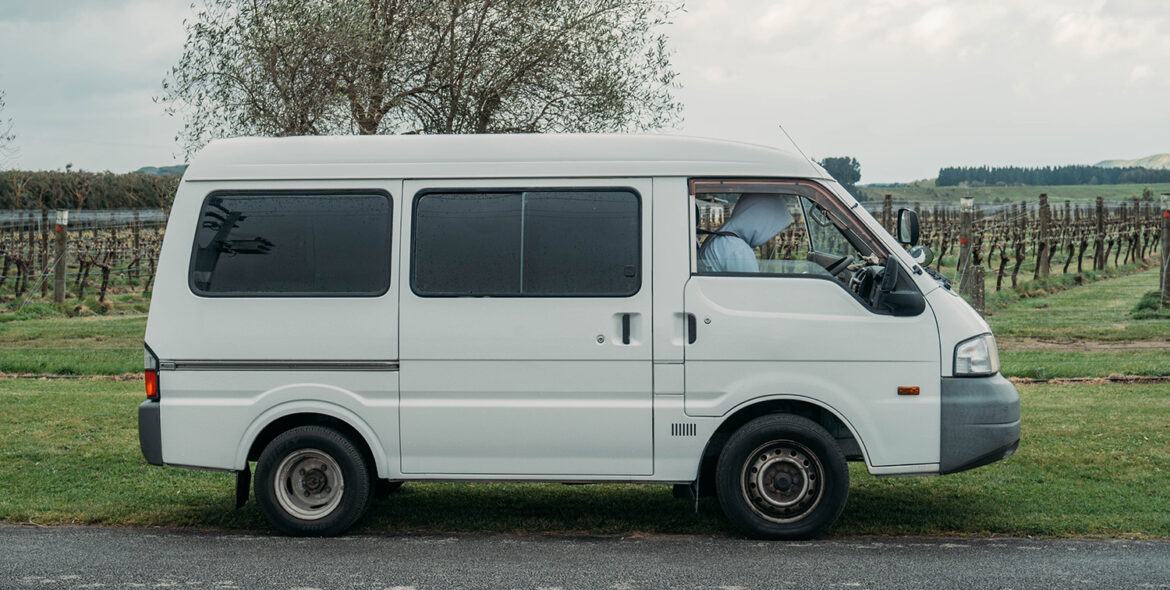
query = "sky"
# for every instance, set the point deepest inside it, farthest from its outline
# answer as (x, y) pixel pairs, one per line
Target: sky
(904, 86)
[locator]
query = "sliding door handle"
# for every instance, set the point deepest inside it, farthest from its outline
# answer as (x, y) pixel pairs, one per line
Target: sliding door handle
(692, 328)
(625, 328)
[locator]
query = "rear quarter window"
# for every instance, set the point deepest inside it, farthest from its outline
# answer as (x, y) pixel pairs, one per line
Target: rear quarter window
(292, 244)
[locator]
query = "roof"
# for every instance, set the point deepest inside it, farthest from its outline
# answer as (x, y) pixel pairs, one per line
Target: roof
(490, 156)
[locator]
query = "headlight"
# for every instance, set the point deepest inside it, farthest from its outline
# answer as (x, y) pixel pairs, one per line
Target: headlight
(977, 357)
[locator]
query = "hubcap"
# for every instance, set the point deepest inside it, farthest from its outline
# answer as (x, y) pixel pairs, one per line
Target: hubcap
(309, 484)
(782, 481)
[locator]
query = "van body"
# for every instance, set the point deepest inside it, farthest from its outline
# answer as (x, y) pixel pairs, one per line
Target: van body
(349, 313)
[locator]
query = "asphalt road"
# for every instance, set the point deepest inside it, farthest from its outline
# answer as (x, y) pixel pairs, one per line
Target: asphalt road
(72, 557)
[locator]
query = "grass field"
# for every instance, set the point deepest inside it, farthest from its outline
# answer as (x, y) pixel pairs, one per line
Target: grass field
(1086, 331)
(1078, 194)
(1095, 460)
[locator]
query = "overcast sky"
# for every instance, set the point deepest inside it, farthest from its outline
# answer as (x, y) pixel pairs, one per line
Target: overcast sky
(905, 86)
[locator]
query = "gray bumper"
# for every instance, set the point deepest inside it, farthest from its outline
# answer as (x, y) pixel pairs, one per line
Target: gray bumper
(149, 432)
(980, 422)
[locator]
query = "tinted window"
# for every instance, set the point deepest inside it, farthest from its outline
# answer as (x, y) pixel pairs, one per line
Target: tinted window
(535, 243)
(293, 245)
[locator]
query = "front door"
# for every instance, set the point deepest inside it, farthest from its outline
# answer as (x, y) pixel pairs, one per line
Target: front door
(525, 328)
(797, 329)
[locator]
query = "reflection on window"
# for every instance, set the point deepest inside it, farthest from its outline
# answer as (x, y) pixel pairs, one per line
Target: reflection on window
(292, 245)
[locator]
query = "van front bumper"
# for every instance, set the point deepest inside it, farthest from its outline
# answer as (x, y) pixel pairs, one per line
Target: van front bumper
(150, 432)
(980, 422)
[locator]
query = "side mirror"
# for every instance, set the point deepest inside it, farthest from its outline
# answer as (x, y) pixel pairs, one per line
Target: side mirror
(907, 227)
(923, 255)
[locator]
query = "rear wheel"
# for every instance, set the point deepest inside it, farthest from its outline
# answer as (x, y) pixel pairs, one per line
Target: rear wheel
(312, 480)
(782, 477)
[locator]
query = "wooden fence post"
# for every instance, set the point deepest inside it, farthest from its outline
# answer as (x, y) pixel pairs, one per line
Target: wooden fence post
(1042, 255)
(966, 214)
(888, 212)
(1164, 255)
(976, 288)
(61, 228)
(1099, 241)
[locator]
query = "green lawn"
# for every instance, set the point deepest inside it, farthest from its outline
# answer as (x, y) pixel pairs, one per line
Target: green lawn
(1086, 331)
(96, 345)
(1095, 460)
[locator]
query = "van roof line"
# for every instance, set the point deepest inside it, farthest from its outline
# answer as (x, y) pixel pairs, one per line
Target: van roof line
(490, 156)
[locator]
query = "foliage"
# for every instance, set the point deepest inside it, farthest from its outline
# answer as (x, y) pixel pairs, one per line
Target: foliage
(51, 189)
(6, 135)
(846, 169)
(310, 67)
(1048, 175)
(1151, 306)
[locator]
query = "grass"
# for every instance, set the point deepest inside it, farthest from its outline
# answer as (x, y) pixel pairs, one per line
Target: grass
(1095, 461)
(1086, 331)
(1057, 195)
(97, 345)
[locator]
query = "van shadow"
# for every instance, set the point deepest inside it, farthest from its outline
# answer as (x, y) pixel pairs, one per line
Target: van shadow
(874, 508)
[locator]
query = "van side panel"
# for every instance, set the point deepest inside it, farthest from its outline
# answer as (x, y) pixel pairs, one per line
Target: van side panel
(228, 360)
(808, 338)
(184, 326)
(210, 418)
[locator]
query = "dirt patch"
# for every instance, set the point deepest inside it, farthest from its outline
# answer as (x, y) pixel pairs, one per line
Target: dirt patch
(1080, 345)
(126, 377)
(1110, 380)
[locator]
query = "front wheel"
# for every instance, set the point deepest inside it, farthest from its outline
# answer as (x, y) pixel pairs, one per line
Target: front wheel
(312, 480)
(782, 477)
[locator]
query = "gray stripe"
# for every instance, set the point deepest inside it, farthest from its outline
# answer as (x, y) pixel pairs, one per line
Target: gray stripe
(247, 365)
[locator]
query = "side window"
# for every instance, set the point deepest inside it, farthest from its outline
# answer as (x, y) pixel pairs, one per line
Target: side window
(292, 245)
(551, 243)
(754, 233)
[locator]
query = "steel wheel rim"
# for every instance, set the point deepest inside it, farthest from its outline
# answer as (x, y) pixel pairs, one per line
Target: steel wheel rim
(782, 481)
(309, 484)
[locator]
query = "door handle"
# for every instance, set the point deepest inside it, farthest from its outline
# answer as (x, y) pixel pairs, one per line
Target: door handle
(625, 328)
(692, 328)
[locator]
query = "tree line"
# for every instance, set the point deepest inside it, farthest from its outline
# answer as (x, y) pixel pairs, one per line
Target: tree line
(1047, 175)
(52, 189)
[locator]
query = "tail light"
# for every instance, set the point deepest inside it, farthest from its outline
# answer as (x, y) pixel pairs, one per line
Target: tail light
(150, 372)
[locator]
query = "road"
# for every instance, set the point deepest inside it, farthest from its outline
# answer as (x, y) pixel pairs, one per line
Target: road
(91, 557)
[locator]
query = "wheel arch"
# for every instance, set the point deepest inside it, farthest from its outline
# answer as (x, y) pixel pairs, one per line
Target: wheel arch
(828, 417)
(284, 417)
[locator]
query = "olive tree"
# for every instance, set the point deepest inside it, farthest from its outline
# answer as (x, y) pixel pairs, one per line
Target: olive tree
(6, 135)
(306, 67)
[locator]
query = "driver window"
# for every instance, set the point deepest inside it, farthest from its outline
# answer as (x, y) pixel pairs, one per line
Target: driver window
(766, 234)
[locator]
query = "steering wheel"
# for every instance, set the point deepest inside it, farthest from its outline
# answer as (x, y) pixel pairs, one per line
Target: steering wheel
(839, 264)
(862, 281)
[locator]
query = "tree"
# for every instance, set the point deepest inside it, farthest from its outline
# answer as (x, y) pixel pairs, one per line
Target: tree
(845, 169)
(6, 135)
(307, 67)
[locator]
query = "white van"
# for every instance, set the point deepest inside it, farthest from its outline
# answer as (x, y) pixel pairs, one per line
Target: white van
(350, 313)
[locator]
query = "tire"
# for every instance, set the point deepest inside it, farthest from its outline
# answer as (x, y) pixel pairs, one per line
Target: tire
(800, 472)
(296, 486)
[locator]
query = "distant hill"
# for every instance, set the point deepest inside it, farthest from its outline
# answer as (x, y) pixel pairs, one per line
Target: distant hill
(163, 170)
(1159, 161)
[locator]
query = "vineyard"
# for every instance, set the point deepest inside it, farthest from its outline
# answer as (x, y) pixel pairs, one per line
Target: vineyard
(97, 255)
(992, 247)
(101, 254)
